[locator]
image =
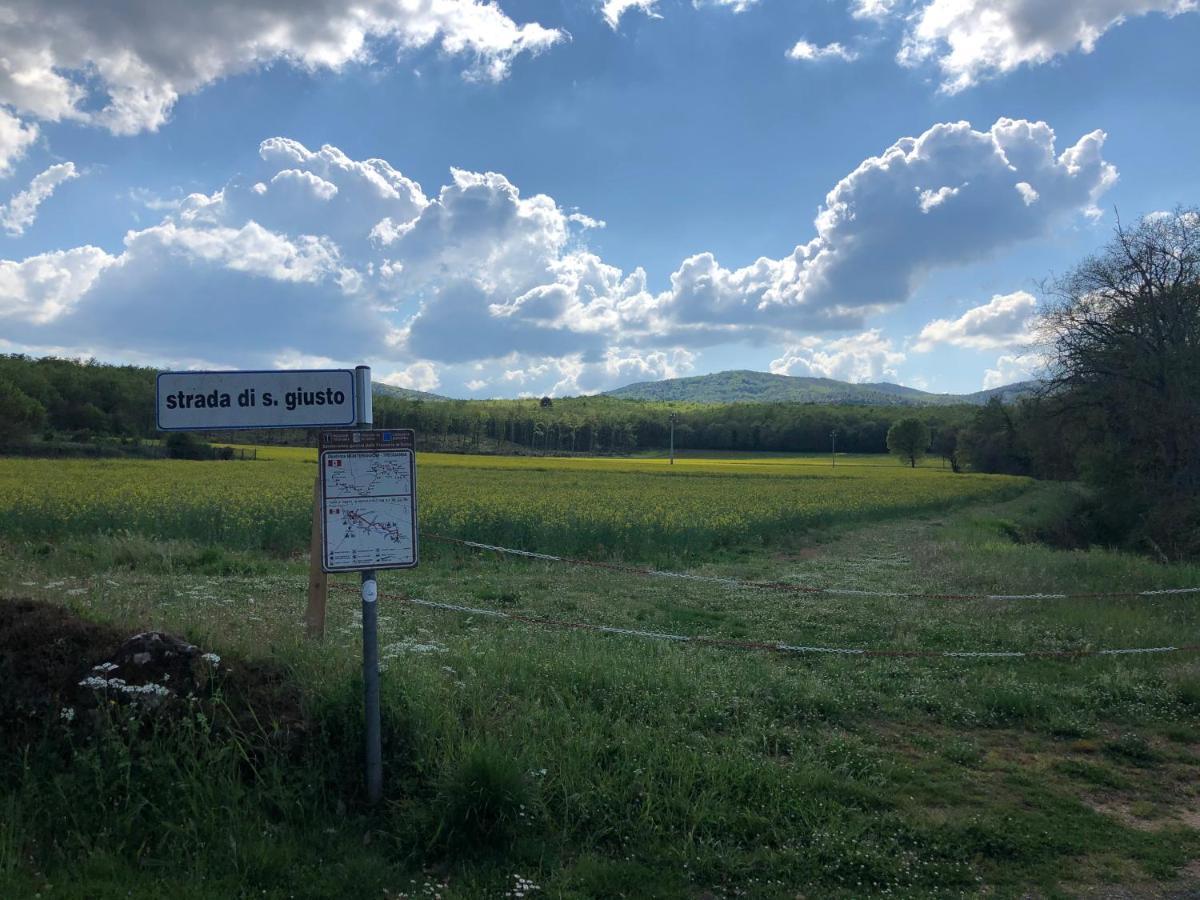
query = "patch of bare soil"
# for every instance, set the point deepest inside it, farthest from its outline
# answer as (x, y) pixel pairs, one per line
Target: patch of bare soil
(1137, 814)
(1185, 886)
(55, 666)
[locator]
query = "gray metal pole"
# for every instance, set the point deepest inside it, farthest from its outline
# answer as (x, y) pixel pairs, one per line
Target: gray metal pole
(370, 623)
(374, 740)
(672, 438)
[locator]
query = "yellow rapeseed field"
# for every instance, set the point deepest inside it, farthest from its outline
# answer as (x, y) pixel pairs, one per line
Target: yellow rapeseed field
(597, 507)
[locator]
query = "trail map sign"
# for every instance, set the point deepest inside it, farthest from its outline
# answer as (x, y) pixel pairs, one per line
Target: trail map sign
(302, 398)
(368, 499)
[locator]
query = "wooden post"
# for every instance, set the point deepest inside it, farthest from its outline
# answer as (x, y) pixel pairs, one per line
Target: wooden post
(318, 581)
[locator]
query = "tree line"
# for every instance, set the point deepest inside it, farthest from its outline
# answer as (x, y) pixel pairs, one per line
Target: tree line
(73, 399)
(1119, 410)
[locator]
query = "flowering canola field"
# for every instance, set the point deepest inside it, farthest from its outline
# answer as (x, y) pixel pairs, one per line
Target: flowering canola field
(596, 507)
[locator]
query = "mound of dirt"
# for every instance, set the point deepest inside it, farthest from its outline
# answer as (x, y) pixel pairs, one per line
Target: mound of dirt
(56, 666)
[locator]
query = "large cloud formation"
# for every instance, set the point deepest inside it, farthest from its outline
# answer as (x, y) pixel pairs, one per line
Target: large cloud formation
(951, 196)
(1004, 321)
(861, 357)
(15, 138)
(319, 255)
(972, 39)
(123, 66)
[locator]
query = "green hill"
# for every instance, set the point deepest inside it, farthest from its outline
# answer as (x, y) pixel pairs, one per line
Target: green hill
(743, 386)
(379, 389)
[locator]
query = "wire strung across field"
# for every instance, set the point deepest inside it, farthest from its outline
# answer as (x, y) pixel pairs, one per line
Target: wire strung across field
(797, 588)
(780, 646)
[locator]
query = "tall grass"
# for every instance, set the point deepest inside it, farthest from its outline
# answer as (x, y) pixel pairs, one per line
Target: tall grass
(599, 508)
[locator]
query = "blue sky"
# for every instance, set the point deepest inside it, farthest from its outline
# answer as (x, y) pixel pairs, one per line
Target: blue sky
(532, 196)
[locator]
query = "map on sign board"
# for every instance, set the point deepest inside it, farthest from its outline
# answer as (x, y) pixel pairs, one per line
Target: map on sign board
(369, 501)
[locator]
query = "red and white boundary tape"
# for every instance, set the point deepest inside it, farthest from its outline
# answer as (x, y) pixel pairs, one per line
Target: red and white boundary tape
(785, 648)
(798, 588)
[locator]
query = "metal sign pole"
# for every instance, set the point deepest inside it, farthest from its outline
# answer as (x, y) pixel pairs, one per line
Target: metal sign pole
(370, 623)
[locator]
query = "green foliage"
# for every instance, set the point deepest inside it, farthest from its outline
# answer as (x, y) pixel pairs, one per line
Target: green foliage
(483, 798)
(93, 399)
(185, 445)
(909, 439)
(86, 396)
(605, 425)
(994, 440)
(20, 414)
(1187, 688)
(1124, 331)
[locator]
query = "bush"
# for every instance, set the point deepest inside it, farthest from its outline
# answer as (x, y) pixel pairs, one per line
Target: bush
(182, 445)
(20, 414)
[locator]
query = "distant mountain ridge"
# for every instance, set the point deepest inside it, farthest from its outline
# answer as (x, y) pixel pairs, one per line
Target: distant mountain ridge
(744, 386)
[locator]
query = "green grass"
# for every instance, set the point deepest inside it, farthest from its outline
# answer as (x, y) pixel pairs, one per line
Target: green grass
(603, 765)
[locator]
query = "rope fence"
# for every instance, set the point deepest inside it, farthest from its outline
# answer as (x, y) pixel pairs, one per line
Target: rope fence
(780, 647)
(796, 588)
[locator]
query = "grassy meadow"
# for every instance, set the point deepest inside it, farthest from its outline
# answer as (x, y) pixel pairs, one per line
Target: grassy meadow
(607, 508)
(523, 760)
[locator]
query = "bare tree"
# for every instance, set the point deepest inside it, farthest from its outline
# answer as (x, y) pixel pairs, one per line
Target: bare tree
(1123, 333)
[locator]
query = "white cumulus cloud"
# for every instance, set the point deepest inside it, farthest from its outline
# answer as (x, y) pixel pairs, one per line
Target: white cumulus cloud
(809, 52)
(892, 220)
(1010, 368)
(872, 9)
(317, 254)
(737, 6)
(1004, 321)
(21, 210)
(15, 138)
(868, 356)
(42, 288)
(123, 66)
(418, 376)
(970, 40)
(612, 10)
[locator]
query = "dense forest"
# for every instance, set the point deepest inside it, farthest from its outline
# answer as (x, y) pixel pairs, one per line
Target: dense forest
(65, 399)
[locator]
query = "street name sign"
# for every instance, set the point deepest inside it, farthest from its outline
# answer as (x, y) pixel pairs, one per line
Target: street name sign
(368, 500)
(217, 401)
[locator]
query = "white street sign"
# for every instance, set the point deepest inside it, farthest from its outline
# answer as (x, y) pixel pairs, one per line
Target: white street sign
(369, 500)
(308, 398)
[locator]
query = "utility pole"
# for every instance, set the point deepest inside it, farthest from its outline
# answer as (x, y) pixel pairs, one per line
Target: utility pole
(833, 447)
(672, 438)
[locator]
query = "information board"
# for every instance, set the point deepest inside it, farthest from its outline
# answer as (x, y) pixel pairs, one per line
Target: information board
(216, 401)
(368, 499)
